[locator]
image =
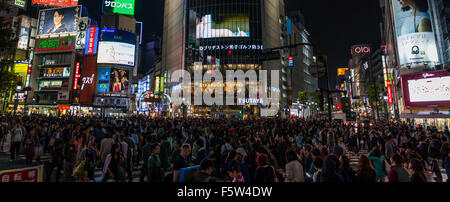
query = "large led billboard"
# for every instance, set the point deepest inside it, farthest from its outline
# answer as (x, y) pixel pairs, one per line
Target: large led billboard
(58, 21)
(125, 7)
(415, 37)
(427, 89)
(60, 3)
(104, 77)
(223, 26)
(119, 81)
(110, 52)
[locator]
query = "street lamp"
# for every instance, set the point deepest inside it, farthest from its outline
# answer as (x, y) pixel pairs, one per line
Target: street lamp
(16, 100)
(103, 106)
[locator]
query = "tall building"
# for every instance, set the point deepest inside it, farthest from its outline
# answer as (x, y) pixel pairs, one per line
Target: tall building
(223, 35)
(415, 40)
(300, 78)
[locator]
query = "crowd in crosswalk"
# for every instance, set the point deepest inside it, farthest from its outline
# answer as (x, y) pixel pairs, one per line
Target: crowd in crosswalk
(144, 149)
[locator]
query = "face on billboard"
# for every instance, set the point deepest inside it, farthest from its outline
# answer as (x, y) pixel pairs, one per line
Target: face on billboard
(58, 21)
(116, 53)
(119, 81)
(104, 77)
(221, 26)
(413, 24)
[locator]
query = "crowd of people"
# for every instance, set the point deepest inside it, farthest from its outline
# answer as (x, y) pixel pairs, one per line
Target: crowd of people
(227, 150)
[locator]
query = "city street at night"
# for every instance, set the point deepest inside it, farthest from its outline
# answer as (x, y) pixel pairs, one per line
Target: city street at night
(252, 98)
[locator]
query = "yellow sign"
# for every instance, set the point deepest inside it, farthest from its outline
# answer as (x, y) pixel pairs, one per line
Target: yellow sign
(341, 71)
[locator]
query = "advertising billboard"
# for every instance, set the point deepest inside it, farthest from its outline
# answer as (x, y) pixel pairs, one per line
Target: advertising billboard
(58, 21)
(66, 43)
(119, 81)
(427, 89)
(81, 33)
(88, 78)
(223, 25)
(24, 35)
(111, 34)
(32, 174)
(60, 3)
(125, 7)
(110, 52)
(341, 71)
(415, 36)
(20, 3)
(104, 77)
(91, 40)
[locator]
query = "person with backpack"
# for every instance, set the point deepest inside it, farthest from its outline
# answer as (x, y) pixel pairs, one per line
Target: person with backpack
(264, 173)
(17, 137)
(398, 173)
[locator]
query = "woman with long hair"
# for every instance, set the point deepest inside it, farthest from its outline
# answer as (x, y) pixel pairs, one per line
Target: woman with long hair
(113, 165)
(365, 171)
(417, 171)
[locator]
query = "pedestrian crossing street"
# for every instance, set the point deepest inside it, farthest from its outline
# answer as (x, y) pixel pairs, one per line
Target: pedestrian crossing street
(354, 162)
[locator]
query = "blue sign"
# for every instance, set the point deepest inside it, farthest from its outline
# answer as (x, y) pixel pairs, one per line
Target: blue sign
(289, 26)
(91, 41)
(104, 77)
(111, 34)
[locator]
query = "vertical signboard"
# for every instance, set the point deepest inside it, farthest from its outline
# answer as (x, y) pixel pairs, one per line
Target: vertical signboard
(24, 37)
(415, 36)
(88, 78)
(77, 75)
(92, 40)
(81, 33)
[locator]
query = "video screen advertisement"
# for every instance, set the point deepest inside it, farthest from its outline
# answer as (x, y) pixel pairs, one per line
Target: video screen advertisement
(60, 3)
(427, 89)
(223, 26)
(117, 47)
(415, 35)
(58, 21)
(111, 80)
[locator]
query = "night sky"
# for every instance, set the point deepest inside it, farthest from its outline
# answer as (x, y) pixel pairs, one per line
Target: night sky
(334, 25)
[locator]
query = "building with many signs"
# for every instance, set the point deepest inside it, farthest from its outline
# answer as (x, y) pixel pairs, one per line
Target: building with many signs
(224, 35)
(416, 60)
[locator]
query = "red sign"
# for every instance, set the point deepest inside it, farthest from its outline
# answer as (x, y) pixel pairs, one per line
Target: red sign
(22, 175)
(60, 3)
(339, 106)
(390, 95)
(77, 75)
(63, 107)
(91, 40)
(89, 71)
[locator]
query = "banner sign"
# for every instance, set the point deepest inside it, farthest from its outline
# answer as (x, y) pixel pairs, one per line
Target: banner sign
(33, 174)
(81, 33)
(56, 44)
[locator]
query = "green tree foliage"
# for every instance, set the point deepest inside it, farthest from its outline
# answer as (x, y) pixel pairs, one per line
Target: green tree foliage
(8, 81)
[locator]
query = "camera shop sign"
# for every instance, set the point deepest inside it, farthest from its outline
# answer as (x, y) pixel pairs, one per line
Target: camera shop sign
(67, 43)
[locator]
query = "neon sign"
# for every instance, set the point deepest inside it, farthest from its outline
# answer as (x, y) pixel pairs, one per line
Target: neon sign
(56, 44)
(77, 75)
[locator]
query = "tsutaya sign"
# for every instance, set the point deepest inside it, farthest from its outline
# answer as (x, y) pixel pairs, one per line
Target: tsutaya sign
(258, 90)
